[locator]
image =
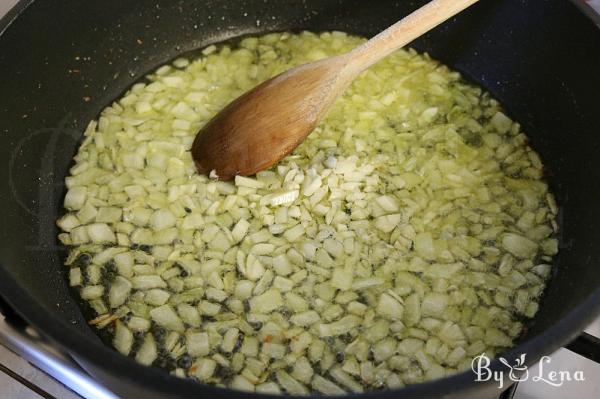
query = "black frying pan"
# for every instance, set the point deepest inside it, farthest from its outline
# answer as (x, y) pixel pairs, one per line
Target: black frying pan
(62, 62)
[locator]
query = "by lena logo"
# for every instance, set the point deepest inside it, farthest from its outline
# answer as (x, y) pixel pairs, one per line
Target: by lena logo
(519, 372)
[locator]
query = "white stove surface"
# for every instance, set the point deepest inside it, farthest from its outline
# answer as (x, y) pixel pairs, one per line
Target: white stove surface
(12, 383)
(564, 360)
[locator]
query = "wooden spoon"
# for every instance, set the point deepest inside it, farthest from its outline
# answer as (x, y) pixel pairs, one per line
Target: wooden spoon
(266, 123)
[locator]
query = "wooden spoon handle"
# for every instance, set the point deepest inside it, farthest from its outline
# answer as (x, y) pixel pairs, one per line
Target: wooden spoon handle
(403, 32)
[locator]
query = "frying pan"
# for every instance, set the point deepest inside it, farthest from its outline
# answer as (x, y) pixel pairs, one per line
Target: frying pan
(62, 62)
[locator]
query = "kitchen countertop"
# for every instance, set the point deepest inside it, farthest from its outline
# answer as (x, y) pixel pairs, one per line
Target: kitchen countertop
(21, 380)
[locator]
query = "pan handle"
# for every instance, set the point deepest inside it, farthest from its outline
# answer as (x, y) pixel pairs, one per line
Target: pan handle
(586, 345)
(24, 340)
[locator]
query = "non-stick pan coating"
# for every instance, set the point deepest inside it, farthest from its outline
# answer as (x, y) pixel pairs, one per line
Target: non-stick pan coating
(62, 62)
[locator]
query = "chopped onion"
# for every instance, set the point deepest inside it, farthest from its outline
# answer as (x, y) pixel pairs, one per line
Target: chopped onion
(165, 316)
(197, 343)
(410, 232)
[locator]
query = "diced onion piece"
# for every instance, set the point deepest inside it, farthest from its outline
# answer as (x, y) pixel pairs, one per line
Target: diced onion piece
(519, 246)
(345, 379)
(389, 307)
(388, 223)
(434, 304)
(68, 222)
(241, 383)
(305, 318)
(204, 369)
(325, 386)
(166, 317)
(280, 198)
(147, 282)
(147, 352)
(119, 291)
(124, 262)
(282, 265)
(342, 326)
(162, 219)
(273, 350)
(75, 198)
(267, 302)
(290, 385)
(138, 324)
(75, 277)
(197, 343)
(387, 203)
(240, 230)
(92, 292)
(101, 233)
(156, 297)
(268, 388)
(294, 233)
(424, 245)
(242, 181)
(342, 278)
(123, 339)
(229, 340)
